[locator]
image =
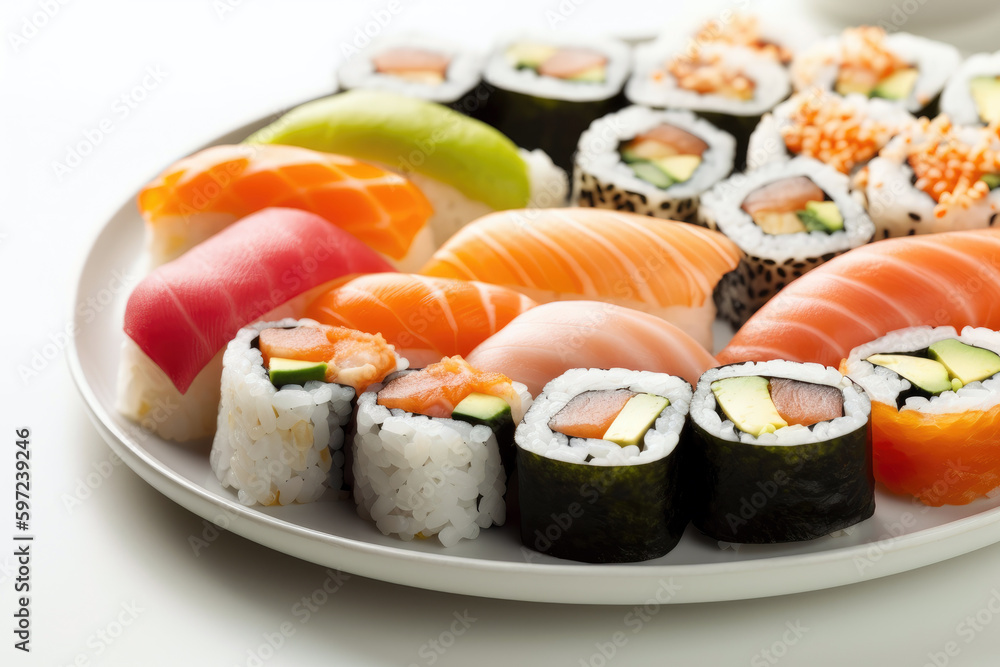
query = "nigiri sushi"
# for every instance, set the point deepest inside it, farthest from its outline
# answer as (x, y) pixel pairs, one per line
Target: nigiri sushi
(550, 339)
(666, 268)
(180, 317)
(945, 279)
(465, 167)
(424, 318)
(200, 195)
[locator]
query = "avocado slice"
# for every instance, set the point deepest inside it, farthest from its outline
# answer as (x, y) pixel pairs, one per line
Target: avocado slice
(409, 134)
(637, 417)
(485, 409)
(992, 180)
(529, 54)
(985, 92)
(926, 374)
(593, 75)
(646, 149)
(965, 362)
(746, 401)
(821, 216)
(283, 371)
(649, 172)
(678, 167)
(898, 85)
(779, 222)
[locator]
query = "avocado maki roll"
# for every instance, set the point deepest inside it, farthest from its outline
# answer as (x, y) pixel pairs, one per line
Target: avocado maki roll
(599, 466)
(652, 162)
(781, 453)
(788, 218)
(972, 96)
(426, 457)
(546, 88)
(935, 411)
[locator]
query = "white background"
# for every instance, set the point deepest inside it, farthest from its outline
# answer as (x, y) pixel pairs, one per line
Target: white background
(123, 553)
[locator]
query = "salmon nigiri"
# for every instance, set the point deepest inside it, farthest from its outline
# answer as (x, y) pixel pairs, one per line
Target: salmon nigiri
(666, 268)
(945, 279)
(550, 339)
(200, 195)
(424, 318)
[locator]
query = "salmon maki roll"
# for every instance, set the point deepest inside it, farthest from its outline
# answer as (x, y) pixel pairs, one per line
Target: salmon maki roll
(202, 194)
(935, 411)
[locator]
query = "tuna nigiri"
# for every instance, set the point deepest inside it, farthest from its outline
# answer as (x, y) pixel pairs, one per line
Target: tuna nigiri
(548, 340)
(424, 318)
(948, 279)
(665, 268)
(180, 317)
(200, 195)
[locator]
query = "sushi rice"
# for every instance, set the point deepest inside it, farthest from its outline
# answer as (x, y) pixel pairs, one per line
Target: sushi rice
(956, 100)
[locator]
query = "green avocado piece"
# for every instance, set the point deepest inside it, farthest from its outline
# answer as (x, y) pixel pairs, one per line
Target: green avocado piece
(898, 85)
(283, 371)
(927, 374)
(649, 172)
(985, 92)
(593, 75)
(678, 167)
(746, 401)
(485, 409)
(992, 180)
(967, 363)
(637, 417)
(529, 54)
(821, 216)
(408, 134)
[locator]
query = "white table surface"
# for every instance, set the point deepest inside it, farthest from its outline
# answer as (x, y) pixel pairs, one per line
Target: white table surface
(114, 579)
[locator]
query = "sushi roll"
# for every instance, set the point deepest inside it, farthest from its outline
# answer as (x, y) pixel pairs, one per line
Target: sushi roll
(204, 193)
(424, 318)
(546, 88)
(603, 448)
(427, 456)
(665, 268)
(788, 218)
(422, 66)
(288, 391)
(843, 132)
(908, 70)
(972, 96)
(179, 319)
(935, 411)
(651, 162)
(464, 167)
(730, 86)
(782, 452)
(936, 177)
(773, 39)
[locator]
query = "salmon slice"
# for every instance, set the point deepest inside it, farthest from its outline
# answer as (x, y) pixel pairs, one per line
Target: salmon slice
(423, 318)
(805, 403)
(353, 358)
(436, 390)
(785, 195)
(408, 60)
(949, 279)
(200, 195)
(680, 141)
(549, 340)
(590, 414)
(568, 62)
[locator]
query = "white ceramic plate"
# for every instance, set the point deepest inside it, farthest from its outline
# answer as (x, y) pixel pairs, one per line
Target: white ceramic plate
(901, 536)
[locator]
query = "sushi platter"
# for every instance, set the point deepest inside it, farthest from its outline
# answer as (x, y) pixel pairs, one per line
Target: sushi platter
(563, 335)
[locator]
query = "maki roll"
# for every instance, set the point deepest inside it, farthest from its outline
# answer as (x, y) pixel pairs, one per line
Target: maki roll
(935, 411)
(599, 466)
(972, 96)
(936, 177)
(651, 162)
(908, 70)
(778, 41)
(546, 88)
(288, 389)
(429, 449)
(788, 218)
(843, 132)
(422, 66)
(781, 453)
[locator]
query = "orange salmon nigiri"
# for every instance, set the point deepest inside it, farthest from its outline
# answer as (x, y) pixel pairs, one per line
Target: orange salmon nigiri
(665, 268)
(436, 390)
(423, 318)
(201, 194)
